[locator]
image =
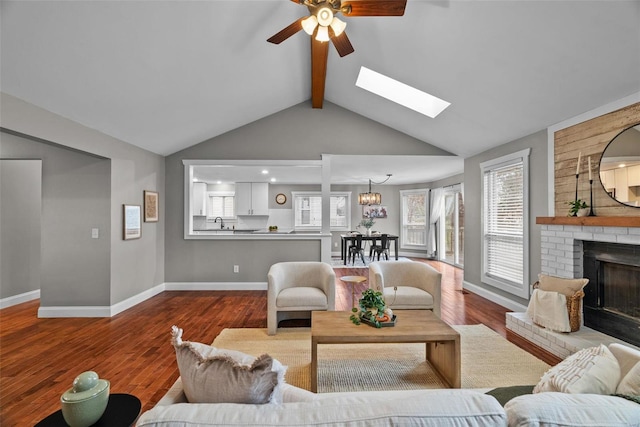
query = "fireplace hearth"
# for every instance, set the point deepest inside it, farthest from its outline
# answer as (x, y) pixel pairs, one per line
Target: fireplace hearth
(612, 297)
(563, 240)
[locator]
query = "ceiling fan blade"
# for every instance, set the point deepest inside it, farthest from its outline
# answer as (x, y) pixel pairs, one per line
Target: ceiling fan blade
(319, 53)
(342, 43)
(373, 7)
(287, 32)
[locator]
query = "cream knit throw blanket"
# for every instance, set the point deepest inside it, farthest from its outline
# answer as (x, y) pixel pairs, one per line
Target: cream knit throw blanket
(549, 309)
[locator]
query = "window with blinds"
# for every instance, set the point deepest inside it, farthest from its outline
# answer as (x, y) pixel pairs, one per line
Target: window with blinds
(505, 223)
(308, 210)
(221, 205)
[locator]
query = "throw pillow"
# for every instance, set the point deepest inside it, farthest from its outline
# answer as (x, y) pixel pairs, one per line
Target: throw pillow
(630, 384)
(591, 370)
(212, 375)
(567, 287)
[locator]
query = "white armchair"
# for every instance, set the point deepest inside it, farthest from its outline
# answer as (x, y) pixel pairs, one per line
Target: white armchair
(298, 288)
(418, 284)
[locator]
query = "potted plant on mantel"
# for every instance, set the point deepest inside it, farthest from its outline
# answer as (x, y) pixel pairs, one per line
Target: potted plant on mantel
(373, 309)
(578, 208)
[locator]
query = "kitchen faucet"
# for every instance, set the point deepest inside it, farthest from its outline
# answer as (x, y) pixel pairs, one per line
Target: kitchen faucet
(221, 222)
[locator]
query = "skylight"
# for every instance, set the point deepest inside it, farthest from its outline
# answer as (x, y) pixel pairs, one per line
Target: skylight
(400, 93)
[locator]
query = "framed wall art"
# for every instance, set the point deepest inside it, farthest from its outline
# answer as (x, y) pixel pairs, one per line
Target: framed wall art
(150, 206)
(374, 211)
(131, 220)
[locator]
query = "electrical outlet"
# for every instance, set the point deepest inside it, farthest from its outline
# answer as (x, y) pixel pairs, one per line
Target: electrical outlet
(95, 233)
(236, 269)
(335, 244)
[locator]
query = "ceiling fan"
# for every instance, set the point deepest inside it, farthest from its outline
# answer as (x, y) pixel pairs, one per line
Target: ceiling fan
(323, 25)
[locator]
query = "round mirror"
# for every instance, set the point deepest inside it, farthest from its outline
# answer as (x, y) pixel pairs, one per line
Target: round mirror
(620, 167)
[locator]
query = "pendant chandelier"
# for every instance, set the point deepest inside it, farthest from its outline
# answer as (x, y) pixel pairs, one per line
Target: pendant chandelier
(372, 198)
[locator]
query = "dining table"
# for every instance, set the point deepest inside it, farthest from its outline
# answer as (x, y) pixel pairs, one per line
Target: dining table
(345, 239)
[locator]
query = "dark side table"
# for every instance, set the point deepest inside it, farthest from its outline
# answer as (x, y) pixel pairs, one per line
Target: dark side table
(122, 411)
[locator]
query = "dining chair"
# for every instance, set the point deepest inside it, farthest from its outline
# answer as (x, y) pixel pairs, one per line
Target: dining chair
(356, 249)
(382, 248)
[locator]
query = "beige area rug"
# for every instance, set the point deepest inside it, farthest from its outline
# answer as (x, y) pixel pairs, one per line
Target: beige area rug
(488, 360)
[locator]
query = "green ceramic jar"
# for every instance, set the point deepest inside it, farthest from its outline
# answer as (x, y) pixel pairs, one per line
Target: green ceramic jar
(86, 401)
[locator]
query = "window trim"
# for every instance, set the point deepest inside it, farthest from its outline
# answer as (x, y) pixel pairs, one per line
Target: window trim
(450, 190)
(296, 194)
(403, 243)
(518, 289)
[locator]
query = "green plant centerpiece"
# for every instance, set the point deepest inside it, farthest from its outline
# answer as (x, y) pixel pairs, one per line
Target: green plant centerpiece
(575, 206)
(372, 308)
(366, 223)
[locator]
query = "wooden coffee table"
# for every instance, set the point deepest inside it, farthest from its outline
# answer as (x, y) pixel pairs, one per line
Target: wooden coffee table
(442, 342)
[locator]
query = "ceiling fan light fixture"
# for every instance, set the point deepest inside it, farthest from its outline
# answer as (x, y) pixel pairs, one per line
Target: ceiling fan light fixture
(325, 16)
(338, 26)
(309, 24)
(322, 34)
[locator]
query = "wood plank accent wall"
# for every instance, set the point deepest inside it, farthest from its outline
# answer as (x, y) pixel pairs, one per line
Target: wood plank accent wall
(590, 138)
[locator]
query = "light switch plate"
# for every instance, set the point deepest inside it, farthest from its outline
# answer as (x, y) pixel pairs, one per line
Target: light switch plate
(95, 233)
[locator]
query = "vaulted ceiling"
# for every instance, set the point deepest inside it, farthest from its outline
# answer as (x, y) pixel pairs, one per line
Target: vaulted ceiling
(165, 75)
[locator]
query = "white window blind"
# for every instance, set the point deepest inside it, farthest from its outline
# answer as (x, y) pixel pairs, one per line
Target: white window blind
(308, 210)
(221, 205)
(505, 218)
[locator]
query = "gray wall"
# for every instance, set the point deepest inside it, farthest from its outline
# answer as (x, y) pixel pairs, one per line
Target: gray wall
(75, 199)
(133, 266)
(20, 231)
(472, 207)
(297, 133)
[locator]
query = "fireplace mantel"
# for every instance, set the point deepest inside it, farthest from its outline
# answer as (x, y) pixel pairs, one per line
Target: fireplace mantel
(593, 221)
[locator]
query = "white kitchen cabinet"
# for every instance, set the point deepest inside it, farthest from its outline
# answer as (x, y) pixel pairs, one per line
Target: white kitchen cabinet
(199, 199)
(252, 198)
(622, 185)
(608, 179)
(633, 175)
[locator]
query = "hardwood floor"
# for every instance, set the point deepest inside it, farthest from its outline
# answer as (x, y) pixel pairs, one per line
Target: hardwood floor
(39, 358)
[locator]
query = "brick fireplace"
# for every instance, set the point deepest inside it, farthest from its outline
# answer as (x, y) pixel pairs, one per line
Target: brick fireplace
(562, 255)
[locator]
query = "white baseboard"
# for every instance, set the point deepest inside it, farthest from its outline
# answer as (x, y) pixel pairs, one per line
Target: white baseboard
(110, 311)
(412, 255)
(136, 299)
(491, 296)
(74, 311)
(215, 286)
(19, 299)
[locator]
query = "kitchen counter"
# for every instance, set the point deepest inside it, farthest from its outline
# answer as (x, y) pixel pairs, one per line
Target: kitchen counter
(249, 234)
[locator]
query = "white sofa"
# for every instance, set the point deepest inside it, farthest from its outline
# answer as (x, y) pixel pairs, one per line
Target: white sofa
(438, 408)
(443, 407)
(303, 408)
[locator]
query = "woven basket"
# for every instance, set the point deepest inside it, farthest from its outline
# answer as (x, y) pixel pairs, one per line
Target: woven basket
(574, 308)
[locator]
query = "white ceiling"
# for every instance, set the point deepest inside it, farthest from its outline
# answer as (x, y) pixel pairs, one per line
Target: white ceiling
(165, 75)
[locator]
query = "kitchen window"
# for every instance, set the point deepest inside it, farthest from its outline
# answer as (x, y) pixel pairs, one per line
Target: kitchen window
(307, 210)
(221, 204)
